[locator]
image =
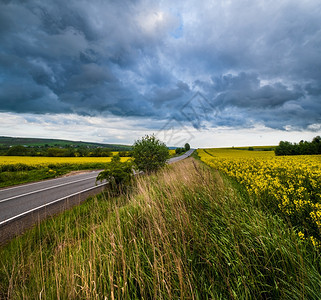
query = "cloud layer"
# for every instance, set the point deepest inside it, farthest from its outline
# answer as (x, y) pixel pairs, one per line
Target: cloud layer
(249, 61)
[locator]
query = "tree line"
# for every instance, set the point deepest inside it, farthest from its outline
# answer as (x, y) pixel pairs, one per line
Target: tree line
(301, 148)
(67, 151)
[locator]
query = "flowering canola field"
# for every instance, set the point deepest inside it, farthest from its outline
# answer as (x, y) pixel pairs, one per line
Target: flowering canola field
(291, 184)
(15, 163)
(53, 160)
(172, 152)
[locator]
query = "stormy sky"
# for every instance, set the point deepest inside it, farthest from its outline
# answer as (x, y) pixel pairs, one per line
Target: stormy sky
(111, 71)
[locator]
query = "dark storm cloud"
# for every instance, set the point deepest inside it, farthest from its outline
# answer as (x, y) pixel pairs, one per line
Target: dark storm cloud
(253, 62)
(244, 90)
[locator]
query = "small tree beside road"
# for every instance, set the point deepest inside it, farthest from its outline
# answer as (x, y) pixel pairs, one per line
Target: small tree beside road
(149, 154)
(118, 174)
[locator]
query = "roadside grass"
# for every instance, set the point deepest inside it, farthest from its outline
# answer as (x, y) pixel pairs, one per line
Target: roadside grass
(187, 232)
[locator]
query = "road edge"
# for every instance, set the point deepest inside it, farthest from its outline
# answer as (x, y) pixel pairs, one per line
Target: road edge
(18, 225)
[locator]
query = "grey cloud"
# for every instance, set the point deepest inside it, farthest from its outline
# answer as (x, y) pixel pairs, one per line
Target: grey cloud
(89, 76)
(241, 100)
(245, 91)
(254, 62)
(25, 97)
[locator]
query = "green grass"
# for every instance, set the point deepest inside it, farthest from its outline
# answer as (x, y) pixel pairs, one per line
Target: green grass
(20, 173)
(185, 233)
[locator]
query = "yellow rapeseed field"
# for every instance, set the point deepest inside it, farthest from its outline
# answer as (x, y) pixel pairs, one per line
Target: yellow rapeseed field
(290, 183)
(28, 160)
(172, 152)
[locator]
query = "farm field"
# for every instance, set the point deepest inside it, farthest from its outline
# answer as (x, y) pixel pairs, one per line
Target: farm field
(24, 169)
(39, 160)
(33, 160)
(288, 185)
(172, 152)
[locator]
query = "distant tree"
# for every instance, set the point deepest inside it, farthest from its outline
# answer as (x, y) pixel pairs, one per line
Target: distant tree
(32, 152)
(123, 153)
(150, 154)
(56, 152)
(69, 152)
(317, 142)
(97, 152)
(284, 148)
(187, 147)
(106, 153)
(302, 148)
(17, 151)
(100, 152)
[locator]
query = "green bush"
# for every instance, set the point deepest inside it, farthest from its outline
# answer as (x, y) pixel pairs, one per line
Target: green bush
(150, 154)
(118, 174)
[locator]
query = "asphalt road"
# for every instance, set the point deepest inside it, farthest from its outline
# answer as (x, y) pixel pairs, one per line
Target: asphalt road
(178, 158)
(20, 200)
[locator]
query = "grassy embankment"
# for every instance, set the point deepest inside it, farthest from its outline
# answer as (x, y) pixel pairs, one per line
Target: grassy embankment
(187, 232)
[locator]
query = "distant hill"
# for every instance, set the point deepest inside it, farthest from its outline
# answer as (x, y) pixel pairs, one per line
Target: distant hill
(14, 141)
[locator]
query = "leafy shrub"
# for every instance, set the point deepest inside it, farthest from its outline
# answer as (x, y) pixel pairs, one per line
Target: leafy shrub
(118, 174)
(150, 154)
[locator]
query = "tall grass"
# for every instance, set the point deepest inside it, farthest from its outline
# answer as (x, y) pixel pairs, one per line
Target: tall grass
(186, 232)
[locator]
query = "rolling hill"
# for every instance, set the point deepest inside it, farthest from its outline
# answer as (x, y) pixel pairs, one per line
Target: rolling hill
(14, 141)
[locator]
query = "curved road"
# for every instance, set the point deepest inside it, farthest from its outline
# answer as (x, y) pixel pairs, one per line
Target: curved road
(18, 201)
